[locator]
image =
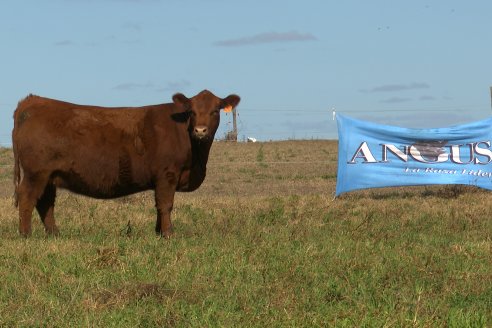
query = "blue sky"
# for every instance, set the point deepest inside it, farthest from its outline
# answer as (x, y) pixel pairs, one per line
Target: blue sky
(408, 63)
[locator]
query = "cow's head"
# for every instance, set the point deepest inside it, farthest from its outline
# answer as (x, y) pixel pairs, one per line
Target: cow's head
(204, 110)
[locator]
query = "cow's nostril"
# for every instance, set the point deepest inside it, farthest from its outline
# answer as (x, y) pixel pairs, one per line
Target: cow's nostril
(201, 131)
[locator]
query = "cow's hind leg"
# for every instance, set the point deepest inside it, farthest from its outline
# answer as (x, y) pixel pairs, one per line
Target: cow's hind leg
(45, 207)
(29, 191)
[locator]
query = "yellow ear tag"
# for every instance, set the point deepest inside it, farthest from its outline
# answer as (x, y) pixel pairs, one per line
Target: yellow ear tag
(228, 109)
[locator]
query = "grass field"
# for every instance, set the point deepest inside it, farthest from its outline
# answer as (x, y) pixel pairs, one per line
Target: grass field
(261, 244)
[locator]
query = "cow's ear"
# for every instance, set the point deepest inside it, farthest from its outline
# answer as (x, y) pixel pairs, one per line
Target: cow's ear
(182, 101)
(230, 101)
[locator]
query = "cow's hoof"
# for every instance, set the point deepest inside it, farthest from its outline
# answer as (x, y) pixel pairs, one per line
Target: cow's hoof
(164, 234)
(167, 234)
(52, 231)
(25, 234)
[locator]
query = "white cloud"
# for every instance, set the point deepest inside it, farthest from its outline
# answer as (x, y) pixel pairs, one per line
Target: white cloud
(427, 98)
(395, 100)
(128, 86)
(397, 87)
(135, 1)
(173, 86)
(63, 43)
(269, 37)
(132, 26)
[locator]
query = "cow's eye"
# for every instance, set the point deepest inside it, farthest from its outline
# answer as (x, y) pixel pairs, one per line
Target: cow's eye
(215, 113)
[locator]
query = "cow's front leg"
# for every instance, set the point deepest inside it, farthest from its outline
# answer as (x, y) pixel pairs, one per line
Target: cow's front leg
(164, 200)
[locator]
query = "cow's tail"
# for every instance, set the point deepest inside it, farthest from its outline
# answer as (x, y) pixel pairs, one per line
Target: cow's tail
(17, 169)
(16, 177)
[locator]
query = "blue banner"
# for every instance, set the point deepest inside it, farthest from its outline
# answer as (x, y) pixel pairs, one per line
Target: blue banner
(372, 155)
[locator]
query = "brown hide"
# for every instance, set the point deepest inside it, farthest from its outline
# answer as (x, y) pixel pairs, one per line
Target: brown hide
(111, 152)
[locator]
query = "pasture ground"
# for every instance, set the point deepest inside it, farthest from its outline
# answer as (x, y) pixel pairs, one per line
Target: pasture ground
(260, 244)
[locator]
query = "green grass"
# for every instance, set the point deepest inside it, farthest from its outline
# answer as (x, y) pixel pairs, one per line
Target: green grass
(256, 246)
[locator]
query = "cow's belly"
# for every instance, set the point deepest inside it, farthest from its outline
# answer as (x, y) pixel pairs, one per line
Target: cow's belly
(102, 189)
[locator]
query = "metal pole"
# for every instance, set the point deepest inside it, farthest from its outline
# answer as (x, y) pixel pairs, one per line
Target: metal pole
(234, 124)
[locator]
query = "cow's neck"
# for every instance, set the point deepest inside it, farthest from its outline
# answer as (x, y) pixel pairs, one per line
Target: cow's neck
(200, 151)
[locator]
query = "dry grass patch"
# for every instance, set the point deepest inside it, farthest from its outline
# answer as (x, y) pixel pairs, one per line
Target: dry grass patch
(130, 293)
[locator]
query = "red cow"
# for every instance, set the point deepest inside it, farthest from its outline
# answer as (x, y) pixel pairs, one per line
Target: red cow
(111, 152)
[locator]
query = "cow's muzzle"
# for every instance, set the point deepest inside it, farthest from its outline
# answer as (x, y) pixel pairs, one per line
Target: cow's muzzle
(200, 132)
